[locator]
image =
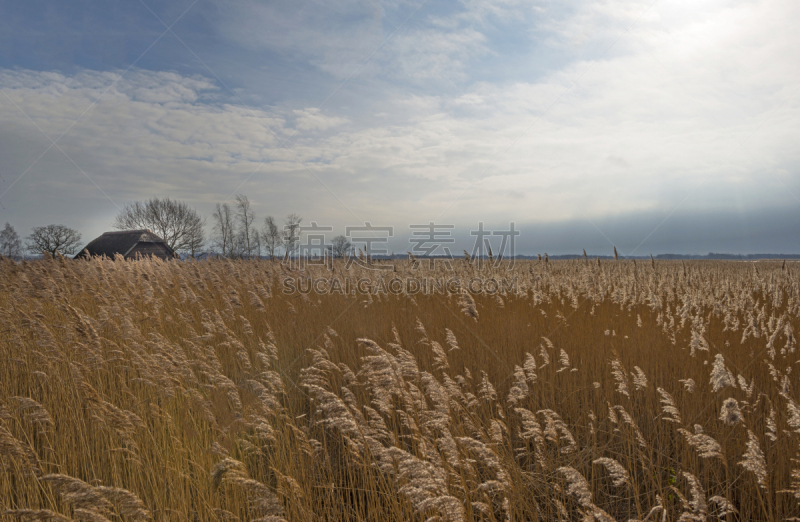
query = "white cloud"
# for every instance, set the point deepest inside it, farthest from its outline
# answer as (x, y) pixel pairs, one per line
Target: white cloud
(432, 53)
(636, 131)
(312, 118)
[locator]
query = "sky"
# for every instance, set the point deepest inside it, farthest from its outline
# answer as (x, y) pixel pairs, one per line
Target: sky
(653, 126)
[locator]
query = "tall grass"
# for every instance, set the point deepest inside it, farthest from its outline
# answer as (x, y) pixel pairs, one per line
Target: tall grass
(135, 390)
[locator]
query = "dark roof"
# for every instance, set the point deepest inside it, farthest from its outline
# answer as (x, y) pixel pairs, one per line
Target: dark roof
(127, 243)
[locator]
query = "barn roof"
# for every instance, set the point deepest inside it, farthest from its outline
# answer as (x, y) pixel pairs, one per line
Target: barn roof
(124, 243)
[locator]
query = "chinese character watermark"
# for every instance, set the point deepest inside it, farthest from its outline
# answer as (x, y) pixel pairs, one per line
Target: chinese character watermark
(427, 240)
(372, 238)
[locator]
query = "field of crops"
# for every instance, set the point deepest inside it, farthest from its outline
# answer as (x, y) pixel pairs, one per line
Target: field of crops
(585, 390)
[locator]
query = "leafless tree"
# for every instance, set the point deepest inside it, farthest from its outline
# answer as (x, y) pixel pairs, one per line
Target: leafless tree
(245, 217)
(271, 236)
(53, 239)
(196, 239)
(255, 243)
(291, 234)
(340, 247)
(10, 243)
(224, 229)
(174, 221)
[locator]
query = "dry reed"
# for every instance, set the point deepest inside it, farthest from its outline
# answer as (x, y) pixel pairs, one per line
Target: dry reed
(150, 390)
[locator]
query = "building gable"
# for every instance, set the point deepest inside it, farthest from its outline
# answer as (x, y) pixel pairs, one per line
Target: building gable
(129, 244)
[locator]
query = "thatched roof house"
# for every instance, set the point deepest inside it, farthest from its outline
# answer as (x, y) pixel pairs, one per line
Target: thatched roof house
(130, 244)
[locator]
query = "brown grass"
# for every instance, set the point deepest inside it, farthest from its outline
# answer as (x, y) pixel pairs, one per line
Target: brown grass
(200, 391)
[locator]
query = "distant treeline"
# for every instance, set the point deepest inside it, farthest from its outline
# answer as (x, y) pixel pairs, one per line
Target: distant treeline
(709, 256)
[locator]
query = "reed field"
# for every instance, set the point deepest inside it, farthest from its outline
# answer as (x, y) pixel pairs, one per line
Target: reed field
(587, 390)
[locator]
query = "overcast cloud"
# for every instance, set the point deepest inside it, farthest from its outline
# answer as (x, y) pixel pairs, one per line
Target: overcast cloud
(655, 126)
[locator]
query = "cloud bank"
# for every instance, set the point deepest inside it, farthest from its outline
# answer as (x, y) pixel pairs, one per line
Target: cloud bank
(524, 112)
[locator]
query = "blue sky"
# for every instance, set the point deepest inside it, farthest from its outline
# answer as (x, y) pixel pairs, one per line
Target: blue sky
(653, 126)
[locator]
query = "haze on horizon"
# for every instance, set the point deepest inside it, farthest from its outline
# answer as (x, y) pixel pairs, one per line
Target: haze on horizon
(650, 125)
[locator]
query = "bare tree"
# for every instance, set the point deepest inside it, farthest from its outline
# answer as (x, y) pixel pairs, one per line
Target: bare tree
(196, 239)
(255, 243)
(245, 217)
(224, 229)
(237, 245)
(271, 236)
(10, 243)
(53, 239)
(244, 245)
(291, 234)
(174, 221)
(340, 247)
